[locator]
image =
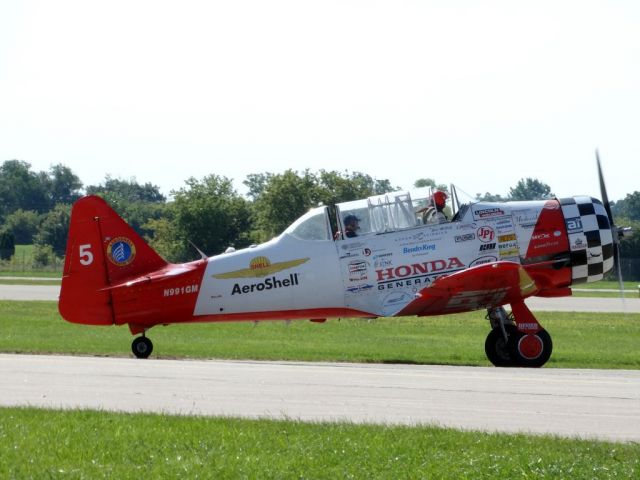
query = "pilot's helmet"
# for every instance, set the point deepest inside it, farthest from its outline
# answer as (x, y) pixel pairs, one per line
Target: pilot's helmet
(351, 219)
(440, 199)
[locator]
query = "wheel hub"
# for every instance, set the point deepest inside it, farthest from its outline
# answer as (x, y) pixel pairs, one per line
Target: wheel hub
(530, 346)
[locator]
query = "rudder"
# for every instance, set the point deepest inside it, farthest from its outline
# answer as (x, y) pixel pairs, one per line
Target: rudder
(102, 251)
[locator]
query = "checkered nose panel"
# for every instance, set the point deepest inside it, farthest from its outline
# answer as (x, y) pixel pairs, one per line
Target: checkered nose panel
(590, 238)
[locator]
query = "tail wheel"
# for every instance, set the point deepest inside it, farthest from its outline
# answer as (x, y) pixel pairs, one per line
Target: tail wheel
(499, 351)
(531, 349)
(142, 347)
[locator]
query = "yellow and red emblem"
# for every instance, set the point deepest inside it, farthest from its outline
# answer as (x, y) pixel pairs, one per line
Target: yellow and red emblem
(121, 251)
(261, 267)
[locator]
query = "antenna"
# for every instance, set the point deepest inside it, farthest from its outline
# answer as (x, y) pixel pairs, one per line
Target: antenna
(203, 255)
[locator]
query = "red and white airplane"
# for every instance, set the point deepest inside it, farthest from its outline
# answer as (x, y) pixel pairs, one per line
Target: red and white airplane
(401, 262)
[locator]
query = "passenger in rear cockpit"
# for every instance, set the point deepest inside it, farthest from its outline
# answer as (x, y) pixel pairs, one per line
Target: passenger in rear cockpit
(434, 213)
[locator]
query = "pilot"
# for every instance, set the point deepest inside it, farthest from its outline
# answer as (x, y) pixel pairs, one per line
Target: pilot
(434, 213)
(351, 225)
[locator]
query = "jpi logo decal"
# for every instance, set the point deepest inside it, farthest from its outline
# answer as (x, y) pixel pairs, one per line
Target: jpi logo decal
(485, 234)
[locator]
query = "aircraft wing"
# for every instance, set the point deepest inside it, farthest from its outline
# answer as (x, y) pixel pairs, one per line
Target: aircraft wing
(483, 286)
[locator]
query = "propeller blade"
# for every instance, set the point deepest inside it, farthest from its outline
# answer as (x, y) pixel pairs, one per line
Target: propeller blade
(603, 193)
(614, 230)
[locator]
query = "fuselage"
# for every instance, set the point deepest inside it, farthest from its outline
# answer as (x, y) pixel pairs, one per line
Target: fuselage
(311, 275)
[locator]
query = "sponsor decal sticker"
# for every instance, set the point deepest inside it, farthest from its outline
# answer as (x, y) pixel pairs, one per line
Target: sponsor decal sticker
(382, 260)
(261, 267)
(578, 243)
(540, 236)
(424, 248)
(416, 273)
(547, 244)
(465, 238)
(487, 246)
(351, 246)
(483, 260)
(511, 252)
(353, 250)
(504, 246)
(485, 234)
(507, 238)
(395, 300)
(357, 270)
(525, 218)
(489, 212)
(268, 284)
(121, 251)
(360, 288)
(507, 229)
(574, 224)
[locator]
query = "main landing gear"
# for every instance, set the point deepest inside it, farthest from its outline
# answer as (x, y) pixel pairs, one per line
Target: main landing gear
(142, 347)
(516, 339)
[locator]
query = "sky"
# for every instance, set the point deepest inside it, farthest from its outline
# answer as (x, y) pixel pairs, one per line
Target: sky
(478, 94)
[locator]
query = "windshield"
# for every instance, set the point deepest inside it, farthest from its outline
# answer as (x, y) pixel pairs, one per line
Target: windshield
(313, 225)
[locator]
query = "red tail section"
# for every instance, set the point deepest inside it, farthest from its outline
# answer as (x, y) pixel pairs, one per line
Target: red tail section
(102, 250)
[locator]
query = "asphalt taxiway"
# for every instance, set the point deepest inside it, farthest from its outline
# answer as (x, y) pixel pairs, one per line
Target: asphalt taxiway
(600, 404)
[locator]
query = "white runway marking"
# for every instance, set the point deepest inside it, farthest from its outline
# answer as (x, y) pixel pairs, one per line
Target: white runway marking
(603, 404)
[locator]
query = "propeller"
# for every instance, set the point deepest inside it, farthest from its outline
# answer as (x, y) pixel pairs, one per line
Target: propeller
(616, 232)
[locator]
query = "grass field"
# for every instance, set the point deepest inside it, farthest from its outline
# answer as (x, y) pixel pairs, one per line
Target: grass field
(581, 340)
(86, 444)
(28, 281)
(38, 443)
(21, 264)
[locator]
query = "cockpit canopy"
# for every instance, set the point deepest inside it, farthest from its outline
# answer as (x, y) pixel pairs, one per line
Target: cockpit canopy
(377, 214)
(389, 212)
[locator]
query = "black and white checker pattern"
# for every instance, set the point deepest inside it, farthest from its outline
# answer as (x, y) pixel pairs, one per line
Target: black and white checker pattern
(590, 238)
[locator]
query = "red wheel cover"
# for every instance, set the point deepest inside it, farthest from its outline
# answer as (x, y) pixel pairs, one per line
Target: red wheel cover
(530, 346)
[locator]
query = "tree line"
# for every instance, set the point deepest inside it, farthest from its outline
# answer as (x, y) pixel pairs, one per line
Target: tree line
(208, 213)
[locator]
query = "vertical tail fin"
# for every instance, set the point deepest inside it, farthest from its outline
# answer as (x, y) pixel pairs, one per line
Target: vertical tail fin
(102, 250)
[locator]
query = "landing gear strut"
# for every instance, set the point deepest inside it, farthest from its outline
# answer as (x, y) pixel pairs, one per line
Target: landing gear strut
(142, 347)
(516, 339)
(498, 343)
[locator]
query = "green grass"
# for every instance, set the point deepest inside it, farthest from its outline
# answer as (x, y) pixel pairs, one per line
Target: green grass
(606, 284)
(581, 340)
(616, 294)
(26, 281)
(21, 264)
(85, 444)
(35, 274)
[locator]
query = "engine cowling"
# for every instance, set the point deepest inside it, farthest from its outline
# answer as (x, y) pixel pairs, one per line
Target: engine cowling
(590, 238)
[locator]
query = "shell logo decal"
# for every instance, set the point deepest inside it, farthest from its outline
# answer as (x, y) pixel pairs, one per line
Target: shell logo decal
(121, 251)
(261, 267)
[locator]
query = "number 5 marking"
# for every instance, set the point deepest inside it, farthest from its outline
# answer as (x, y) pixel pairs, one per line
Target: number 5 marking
(86, 257)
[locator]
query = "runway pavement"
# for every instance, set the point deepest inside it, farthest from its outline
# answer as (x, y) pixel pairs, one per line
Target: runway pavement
(601, 404)
(564, 304)
(29, 292)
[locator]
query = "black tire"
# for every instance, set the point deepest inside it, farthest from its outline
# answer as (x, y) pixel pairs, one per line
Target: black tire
(142, 347)
(498, 351)
(531, 350)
